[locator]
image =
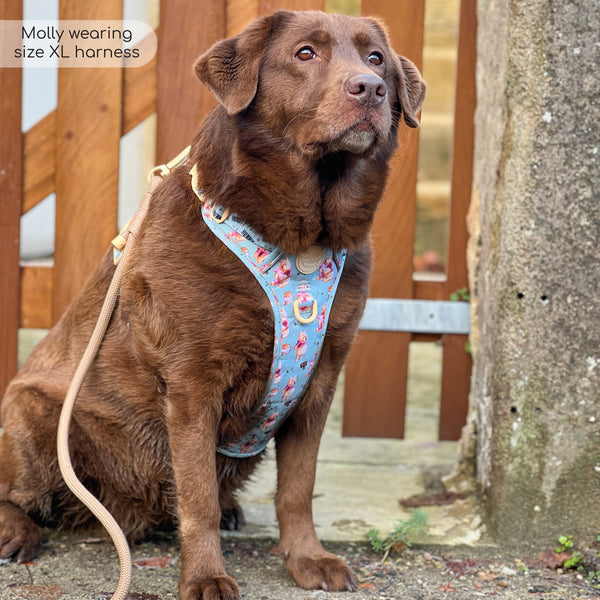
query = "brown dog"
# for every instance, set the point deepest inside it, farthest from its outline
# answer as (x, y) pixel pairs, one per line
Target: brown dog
(298, 148)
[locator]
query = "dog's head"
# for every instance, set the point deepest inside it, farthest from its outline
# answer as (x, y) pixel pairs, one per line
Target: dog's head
(324, 83)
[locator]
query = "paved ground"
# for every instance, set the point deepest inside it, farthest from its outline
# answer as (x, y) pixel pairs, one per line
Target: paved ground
(359, 485)
(80, 566)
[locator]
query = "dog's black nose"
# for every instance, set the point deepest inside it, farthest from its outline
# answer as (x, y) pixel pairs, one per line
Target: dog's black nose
(367, 88)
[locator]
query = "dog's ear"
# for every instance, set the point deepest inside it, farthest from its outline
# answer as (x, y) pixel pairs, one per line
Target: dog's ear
(229, 69)
(411, 90)
(409, 83)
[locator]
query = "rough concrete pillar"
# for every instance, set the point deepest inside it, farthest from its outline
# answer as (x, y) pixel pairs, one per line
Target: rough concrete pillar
(536, 383)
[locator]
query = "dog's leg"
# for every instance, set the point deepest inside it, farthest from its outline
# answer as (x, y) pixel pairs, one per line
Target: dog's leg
(192, 435)
(232, 515)
(20, 537)
(232, 474)
(297, 447)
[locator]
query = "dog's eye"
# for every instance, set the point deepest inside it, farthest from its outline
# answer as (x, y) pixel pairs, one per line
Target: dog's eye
(375, 58)
(305, 53)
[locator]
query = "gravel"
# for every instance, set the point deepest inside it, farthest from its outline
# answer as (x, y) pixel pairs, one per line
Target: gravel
(81, 565)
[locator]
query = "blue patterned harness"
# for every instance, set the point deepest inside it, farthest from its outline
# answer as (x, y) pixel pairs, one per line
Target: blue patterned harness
(301, 290)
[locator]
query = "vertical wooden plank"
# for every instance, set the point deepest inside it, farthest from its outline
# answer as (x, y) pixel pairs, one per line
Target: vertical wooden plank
(377, 369)
(268, 6)
(36, 296)
(11, 182)
(239, 14)
(456, 363)
(139, 91)
(88, 130)
(186, 30)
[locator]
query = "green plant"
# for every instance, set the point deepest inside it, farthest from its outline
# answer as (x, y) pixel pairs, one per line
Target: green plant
(401, 535)
(565, 542)
(461, 295)
(593, 577)
(574, 562)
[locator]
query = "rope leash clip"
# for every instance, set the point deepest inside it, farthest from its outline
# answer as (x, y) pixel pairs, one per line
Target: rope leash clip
(155, 176)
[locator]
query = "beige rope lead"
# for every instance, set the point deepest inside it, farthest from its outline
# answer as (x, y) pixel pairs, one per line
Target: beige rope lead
(64, 457)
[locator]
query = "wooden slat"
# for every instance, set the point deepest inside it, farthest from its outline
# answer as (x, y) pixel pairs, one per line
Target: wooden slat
(88, 128)
(11, 178)
(38, 161)
(456, 363)
(239, 14)
(377, 369)
(182, 101)
(429, 290)
(36, 296)
(139, 92)
(268, 6)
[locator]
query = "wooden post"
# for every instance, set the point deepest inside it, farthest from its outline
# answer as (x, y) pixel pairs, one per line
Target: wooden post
(11, 183)
(376, 373)
(186, 30)
(88, 131)
(456, 362)
(268, 6)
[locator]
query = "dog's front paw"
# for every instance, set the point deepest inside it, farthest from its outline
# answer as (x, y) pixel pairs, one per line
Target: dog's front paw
(20, 537)
(326, 572)
(210, 588)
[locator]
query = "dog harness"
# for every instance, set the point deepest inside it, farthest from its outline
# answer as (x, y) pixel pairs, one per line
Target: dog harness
(301, 289)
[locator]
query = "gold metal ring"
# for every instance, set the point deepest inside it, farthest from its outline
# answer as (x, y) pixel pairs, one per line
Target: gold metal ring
(221, 218)
(300, 318)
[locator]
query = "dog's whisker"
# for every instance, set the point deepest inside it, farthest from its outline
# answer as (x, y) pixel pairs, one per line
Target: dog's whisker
(308, 114)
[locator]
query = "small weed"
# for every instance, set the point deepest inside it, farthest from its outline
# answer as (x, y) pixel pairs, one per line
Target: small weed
(565, 543)
(461, 295)
(577, 560)
(402, 534)
(593, 577)
(574, 562)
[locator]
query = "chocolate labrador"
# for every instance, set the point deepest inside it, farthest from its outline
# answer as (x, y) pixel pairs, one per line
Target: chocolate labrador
(294, 160)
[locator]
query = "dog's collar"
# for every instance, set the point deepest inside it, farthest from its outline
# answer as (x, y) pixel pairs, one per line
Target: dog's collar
(301, 289)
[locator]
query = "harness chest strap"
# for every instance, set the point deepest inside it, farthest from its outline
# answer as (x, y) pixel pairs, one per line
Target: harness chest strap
(301, 290)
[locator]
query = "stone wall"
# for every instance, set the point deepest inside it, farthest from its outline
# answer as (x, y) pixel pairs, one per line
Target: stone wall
(536, 264)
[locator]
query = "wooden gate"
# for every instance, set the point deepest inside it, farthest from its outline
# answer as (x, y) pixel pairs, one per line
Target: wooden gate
(74, 151)
(376, 373)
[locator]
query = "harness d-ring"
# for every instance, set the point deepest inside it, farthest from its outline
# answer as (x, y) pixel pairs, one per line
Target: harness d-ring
(221, 218)
(302, 319)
